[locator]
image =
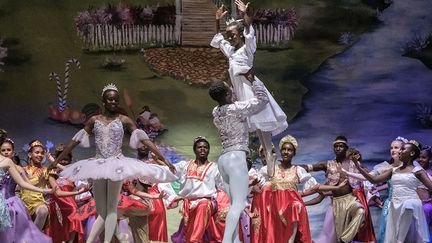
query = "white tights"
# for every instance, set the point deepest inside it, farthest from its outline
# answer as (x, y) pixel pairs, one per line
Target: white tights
(106, 194)
(265, 139)
(233, 168)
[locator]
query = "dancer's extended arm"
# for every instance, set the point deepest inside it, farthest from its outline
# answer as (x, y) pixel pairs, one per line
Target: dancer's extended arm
(81, 137)
(8, 165)
(145, 140)
(374, 179)
(60, 193)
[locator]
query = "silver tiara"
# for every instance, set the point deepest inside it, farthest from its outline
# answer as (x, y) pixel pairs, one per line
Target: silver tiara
(232, 20)
(110, 86)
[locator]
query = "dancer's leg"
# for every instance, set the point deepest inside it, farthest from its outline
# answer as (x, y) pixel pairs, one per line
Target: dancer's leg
(113, 191)
(100, 192)
(234, 168)
(266, 141)
(404, 225)
(41, 216)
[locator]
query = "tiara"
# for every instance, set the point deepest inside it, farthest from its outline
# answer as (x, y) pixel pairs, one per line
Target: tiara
(402, 139)
(9, 140)
(232, 20)
(110, 86)
(415, 143)
(36, 143)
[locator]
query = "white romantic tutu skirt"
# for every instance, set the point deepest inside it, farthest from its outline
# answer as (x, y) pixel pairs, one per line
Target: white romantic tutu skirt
(117, 168)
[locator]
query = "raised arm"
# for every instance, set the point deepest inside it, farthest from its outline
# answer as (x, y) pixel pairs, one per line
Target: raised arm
(220, 14)
(243, 8)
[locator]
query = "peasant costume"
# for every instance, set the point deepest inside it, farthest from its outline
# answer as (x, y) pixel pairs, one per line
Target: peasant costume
(109, 162)
(405, 198)
(61, 210)
(287, 206)
(271, 118)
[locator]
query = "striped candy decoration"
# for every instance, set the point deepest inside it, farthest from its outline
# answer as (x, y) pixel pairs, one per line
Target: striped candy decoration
(62, 92)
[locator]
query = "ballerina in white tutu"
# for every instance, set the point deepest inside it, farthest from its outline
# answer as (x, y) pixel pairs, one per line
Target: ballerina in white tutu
(110, 167)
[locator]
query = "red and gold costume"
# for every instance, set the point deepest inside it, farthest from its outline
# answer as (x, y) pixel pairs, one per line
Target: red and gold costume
(287, 206)
(261, 205)
(61, 209)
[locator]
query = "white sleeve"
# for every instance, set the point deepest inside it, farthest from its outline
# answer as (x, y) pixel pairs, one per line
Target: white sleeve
(136, 137)
(219, 41)
(169, 191)
(180, 167)
(252, 105)
(305, 178)
(83, 138)
(250, 40)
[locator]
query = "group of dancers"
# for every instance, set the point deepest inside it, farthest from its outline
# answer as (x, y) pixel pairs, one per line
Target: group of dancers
(229, 201)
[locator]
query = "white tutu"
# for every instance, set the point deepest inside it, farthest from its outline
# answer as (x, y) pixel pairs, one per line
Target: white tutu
(109, 162)
(117, 168)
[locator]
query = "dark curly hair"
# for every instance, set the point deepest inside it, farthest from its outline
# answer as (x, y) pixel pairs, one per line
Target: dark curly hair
(218, 90)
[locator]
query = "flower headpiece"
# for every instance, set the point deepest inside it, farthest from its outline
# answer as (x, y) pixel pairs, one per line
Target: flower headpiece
(402, 139)
(110, 86)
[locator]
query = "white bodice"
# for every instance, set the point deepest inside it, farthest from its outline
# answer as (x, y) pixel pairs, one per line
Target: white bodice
(405, 185)
(108, 138)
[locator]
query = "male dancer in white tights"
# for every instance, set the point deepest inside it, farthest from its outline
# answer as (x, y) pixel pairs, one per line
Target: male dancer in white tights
(230, 120)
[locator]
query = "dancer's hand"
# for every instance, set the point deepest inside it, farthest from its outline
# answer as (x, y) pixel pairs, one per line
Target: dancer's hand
(343, 183)
(220, 13)
(49, 190)
(250, 75)
(161, 195)
(241, 6)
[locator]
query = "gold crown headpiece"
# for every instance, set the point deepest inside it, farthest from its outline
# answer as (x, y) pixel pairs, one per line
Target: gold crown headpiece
(36, 143)
(107, 87)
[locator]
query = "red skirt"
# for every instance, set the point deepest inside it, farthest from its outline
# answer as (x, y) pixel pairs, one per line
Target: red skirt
(287, 208)
(61, 221)
(366, 232)
(258, 226)
(157, 222)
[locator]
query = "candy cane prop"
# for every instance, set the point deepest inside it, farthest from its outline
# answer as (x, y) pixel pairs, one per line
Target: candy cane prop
(66, 80)
(56, 78)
